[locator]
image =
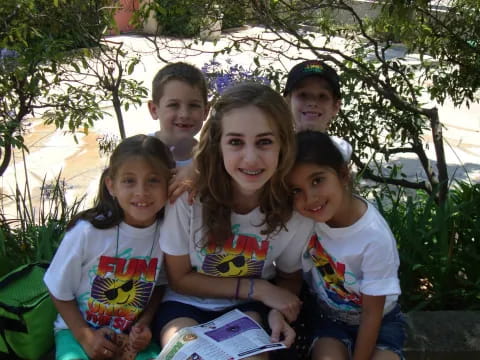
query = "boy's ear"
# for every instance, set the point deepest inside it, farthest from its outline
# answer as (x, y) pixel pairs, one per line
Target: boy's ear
(152, 107)
(337, 105)
(345, 174)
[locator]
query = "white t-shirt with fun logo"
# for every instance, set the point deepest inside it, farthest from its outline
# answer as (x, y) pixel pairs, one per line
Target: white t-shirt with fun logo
(342, 263)
(247, 253)
(111, 284)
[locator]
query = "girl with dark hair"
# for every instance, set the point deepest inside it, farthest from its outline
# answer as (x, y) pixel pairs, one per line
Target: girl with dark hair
(351, 260)
(222, 251)
(106, 270)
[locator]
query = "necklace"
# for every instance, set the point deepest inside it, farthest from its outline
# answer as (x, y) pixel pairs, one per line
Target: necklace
(157, 225)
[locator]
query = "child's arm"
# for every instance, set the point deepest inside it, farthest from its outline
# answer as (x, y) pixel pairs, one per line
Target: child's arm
(98, 344)
(183, 180)
(141, 335)
(293, 283)
(371, 319)
(183, 279)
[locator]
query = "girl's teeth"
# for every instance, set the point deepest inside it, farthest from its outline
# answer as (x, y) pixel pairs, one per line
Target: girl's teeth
(252, 172)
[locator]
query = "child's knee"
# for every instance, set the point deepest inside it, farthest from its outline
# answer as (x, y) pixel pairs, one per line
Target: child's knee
(173, 326)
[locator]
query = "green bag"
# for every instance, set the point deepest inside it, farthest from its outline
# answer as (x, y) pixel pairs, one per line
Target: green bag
(26, 314)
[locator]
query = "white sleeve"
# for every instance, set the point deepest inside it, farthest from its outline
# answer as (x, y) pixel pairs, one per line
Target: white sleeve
(174, 239)
(64, 273)
(299, 231)
(379, 267)
(343, 146)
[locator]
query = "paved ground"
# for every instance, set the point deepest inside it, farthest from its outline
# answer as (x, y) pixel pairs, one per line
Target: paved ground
(52, 151)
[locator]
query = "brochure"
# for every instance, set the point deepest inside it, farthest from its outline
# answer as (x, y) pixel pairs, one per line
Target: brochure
(231, 336)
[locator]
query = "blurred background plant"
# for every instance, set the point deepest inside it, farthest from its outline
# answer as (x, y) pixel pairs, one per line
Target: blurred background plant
(438, 245)
(185, 18)
(55, 64)
(36, 231)
(221, 76)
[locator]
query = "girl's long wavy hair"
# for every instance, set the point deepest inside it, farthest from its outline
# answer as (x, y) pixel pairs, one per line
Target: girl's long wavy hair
(214, 183)
(106, 212)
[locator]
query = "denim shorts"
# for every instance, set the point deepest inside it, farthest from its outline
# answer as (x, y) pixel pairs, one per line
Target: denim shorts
(391, 335)
(170, 310)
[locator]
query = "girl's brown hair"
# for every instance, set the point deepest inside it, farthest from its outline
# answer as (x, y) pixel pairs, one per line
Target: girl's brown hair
(214, 183)
(106, 211)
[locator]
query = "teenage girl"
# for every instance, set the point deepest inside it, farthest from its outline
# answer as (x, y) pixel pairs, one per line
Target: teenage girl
(222, 252)
(107, 266)
(351, 261)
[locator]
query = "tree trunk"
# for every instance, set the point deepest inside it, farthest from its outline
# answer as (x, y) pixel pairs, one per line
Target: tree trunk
(7, 155)
(440, 154)
(118, 112)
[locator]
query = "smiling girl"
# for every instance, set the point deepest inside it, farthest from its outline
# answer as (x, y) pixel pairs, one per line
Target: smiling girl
(106, 269)
(351, 261)
(222, 251)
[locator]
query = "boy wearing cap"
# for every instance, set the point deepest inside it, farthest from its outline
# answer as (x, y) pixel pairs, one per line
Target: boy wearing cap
(313, 94)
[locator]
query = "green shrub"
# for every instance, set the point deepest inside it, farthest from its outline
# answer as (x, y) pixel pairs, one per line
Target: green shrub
(235, 13)
(180, 18)
(185, 18)
(439, 247)
(35, 233)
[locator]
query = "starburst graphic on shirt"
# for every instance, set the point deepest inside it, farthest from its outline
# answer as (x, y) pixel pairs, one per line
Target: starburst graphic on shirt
(117, 292)
(231, 265)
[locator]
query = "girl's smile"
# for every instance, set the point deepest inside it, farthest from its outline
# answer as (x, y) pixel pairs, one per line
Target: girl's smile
(319, 193)
(250, 150)
(141, 191)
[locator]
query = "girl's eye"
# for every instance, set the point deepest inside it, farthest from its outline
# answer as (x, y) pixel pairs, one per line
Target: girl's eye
(264, 142)
(235, 142)
(172, 105)
(128, 181)
(295, 191)
(317, 180)
(156, 180)
(195, 105)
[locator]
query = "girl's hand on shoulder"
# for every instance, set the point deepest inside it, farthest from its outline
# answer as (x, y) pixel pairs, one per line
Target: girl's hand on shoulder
(140, 336)
(99, 344)
(278, 298)
(182, 180)
(281, 330)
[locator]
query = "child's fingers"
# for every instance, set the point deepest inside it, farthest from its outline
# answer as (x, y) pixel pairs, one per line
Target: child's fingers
(275, 337)
(105, 347)
(177, 189)
(140, 337)
(192, 194)
(288, 335)
(138, 328)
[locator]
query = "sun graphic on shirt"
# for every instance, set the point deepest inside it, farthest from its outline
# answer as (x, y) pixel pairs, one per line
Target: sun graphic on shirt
(231, 265)
(119, 292)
